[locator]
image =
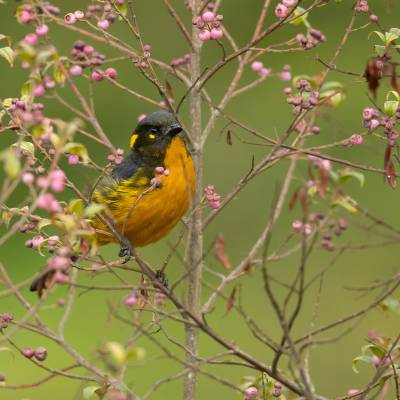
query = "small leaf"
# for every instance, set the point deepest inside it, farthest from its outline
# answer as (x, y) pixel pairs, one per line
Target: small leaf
(229, 137)
(12, 163)
(27, 148)
(8, 54)
(117, 352)
(346, 174)
(77, 206)
(392, 305)
(58, 74)
(301, 15)
(170, 91)
(43, 223)
(347, 203)
(381, 35)
(136, 354)
(220, 252)
(380, 50)
(231, 301)
(365, 359)
(90, 391)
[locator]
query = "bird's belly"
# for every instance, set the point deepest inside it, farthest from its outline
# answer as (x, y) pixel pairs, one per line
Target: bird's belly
(155, 213)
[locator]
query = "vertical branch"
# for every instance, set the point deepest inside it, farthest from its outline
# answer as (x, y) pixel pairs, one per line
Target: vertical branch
(194, 247)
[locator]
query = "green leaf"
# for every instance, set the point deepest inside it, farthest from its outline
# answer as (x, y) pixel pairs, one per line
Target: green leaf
(392, 305)
(12, 163)
(78, 149)
(301, 15)
(136, 354)
(346, 174)
(43, 56)
(117, 352)
(8, 54)
(381, 36)
(380, 50)
(365, 359)
(332, 85)
(43, 223)
(390, 37)
(77, 206)
(58, 74)
(347, 203)
(90, 391)
(390, 107)
(395, 31)
(27, 148)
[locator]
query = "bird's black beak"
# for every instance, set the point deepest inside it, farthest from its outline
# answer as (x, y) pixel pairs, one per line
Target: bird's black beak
(174, 129)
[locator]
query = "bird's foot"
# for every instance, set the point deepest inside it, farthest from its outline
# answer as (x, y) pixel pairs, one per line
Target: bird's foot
(162, 277)
(126, 250)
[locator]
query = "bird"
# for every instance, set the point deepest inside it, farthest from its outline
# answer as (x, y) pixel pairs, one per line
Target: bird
(147, 193)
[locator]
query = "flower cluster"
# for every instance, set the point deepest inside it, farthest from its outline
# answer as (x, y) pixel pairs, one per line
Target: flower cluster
(313, 38)
(209, 24)
(84, 56)
(143, 61)
(103, 15)
(5, 319)
(332, 228)
(213, 198)
(300, 227)
(180, 61)
(262, 71)
(306, 99)
(282, 10)
(362, 6)
(27, 14)
(373, 119)
(40, 354)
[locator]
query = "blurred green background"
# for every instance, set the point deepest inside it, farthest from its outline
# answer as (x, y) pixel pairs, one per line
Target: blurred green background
(264, 108)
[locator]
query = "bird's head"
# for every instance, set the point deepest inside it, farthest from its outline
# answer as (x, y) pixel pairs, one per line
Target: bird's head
(154, 133)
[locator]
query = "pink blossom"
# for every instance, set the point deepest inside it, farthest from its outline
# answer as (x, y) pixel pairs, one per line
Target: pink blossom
(290, 3)
(257, 66)
(28, 178)
(281, 11)
(97, 75)
(111, 73)
(216, 33)
(352, 392)
(356, 139)
(205, 35)
(131, 300)
(264, 72)
(70, 19)
(374, 123)
(251, 393)
(285, 76)
(103, 24)
(31, 39)
(75, 70)
(73, 159)
(208, 16)
(25, 17)
(57, 180)
(39, 90)
(297, 226)
(213, 198)
(79, 14)
(42, 30)
(59, 262)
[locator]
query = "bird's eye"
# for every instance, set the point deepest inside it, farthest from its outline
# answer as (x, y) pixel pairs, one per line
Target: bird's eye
(152, 134)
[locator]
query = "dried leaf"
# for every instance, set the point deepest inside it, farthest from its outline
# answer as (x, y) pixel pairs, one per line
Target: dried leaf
(229, 137)
(231, 301)
(391, 174)
(303, 201)
(373, 75)
(293, 199)
(220, 252)
(170, 91)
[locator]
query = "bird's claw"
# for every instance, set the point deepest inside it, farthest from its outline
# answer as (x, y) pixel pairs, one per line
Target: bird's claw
(126, 250)
(162, 277)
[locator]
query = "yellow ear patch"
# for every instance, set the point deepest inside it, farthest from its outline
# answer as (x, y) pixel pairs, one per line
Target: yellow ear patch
(152, 136)
(133, 139)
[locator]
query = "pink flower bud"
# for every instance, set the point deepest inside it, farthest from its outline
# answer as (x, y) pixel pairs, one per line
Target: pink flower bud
(39, 90)
(103, 24)
(42, 30)
(31, 39)
(40, 354)
(73, 159)
(79, 14)
(28, 178)
(307, 229)
(69, 19)
(216, 33)
(375, 360)
(131, 300)
(60, 278)
(281, 11)
(356, 139)
(75, 70)
(374, 123)
(251, 393)
(297, 226)
(290, 3)
(352, 392)
(208, 16)
(264, 72)
(88, 50)
(37, 241)
(25, 17)
(59, 262)
(111, 73)
(97, 75)
(28, 352)
(257, 66)
(166, 172)
(204, 35)
(159, 170)
(285, 76)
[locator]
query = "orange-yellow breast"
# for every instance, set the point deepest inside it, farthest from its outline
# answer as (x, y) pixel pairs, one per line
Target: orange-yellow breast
(146, 217)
